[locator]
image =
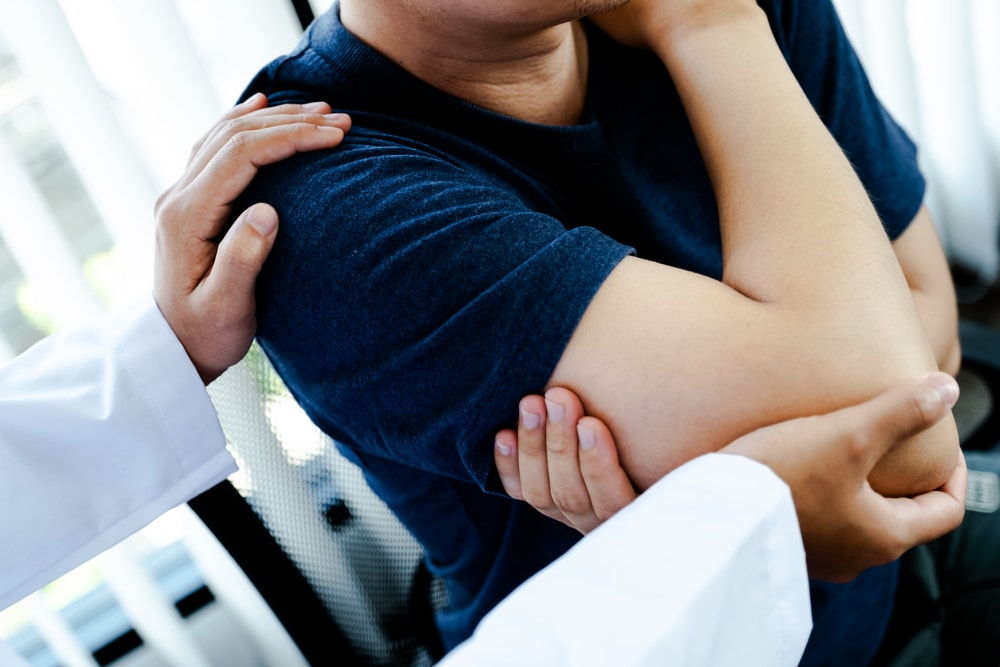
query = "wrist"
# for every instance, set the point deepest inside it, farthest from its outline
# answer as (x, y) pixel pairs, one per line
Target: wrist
(710, 23)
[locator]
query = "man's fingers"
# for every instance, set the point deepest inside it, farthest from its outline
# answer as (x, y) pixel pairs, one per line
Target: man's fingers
(897, 414)
(609, 487)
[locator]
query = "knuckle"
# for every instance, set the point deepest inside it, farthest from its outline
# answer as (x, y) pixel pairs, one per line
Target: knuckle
(239, 142)
(243, 258)
(541, 501)
(232, 126)
(166, 205)
(170, 214)
(531, 447)
(604, 513)
(856, 442)
(162, 201)
(571, 504)
(558, 445)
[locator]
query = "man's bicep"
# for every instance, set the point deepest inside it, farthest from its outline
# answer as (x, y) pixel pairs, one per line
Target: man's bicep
(667, 357)
(678, 365)
(409, 314)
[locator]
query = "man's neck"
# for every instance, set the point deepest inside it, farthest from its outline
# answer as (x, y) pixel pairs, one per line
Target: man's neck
(538, 75)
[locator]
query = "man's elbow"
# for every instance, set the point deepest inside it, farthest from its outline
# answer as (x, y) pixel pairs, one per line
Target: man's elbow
(950, 361)
(920, 463)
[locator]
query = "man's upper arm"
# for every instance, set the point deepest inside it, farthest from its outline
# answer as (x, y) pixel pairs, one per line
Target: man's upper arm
(409, 304)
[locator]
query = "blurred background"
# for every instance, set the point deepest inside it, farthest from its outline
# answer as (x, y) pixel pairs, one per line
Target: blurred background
(100, 102)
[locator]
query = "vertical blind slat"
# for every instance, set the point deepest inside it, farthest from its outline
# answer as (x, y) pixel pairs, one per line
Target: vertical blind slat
(75, 105)
(38, 245)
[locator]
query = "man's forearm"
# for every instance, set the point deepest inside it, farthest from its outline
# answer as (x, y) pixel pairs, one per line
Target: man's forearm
(799, 232)
(925, 266)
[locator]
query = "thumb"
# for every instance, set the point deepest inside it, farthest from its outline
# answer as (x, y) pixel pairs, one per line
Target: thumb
(242, 253)
(899, 413)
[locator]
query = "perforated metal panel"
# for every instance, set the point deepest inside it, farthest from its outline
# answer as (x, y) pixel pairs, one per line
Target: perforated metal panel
(365, 567)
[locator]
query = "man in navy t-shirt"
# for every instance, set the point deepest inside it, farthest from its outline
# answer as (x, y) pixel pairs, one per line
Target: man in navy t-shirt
(655, 207)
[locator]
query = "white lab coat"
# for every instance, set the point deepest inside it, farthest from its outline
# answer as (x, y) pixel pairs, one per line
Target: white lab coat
(705, 569)
(104, 428)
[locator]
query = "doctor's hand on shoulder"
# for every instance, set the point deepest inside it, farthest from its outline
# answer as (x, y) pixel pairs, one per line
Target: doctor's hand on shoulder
(204, 275)
(564, 464)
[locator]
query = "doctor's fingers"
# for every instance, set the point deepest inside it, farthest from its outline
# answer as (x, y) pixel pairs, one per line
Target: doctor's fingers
(608, 486)
(200, 211)
(221, 311)
(520, 454)
(254, 114)
(908, 522)
(302, 119)
(505, 460)
(255, 102)
(532, 457)
(227, 161)
(876, 530)
(871, 429)
(568, 488)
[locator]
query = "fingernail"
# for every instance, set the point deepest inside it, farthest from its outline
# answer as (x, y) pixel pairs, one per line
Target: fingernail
(554, 410)
(253, 99)
(502, 448)
(314, 106)
(336, 117)
(263, 221)
(530, 420)
(586, 436)
(946, 386)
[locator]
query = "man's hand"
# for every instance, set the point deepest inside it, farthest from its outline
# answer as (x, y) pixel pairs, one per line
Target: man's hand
(846, 526)
(204, 286)
(562, 463)
(825, 460)
(646, 23)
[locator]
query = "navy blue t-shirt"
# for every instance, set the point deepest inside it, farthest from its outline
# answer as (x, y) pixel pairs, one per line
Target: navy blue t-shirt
(430, 271)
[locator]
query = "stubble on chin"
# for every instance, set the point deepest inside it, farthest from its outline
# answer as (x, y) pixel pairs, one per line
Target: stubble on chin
(589, 8)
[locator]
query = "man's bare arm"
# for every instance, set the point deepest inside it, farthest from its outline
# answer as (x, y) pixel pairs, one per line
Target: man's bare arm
(926, 270)
(568, 470)
(813, 312)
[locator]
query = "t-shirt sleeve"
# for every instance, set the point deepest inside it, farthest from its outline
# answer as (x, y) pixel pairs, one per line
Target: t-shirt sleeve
(813, 40)
(410, 301)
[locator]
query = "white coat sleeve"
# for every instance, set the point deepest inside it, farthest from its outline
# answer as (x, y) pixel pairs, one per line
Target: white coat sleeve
(705, 568)
(102, 429)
